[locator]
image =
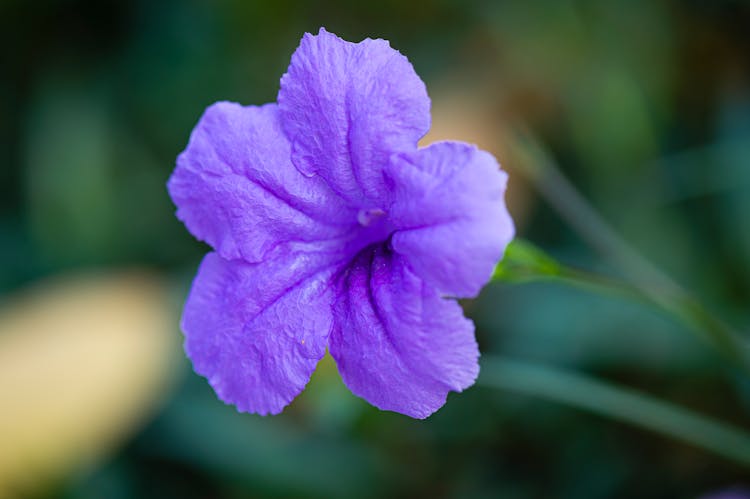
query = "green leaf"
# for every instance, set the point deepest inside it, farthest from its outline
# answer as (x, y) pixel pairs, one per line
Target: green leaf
(525, 262)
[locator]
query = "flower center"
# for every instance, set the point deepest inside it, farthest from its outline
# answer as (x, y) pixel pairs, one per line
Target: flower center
(366, 216)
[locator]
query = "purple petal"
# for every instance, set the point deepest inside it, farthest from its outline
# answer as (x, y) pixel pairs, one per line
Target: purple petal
(257, 331)
(347, 106)
(397, 343)
(451, 221)
(236, 188)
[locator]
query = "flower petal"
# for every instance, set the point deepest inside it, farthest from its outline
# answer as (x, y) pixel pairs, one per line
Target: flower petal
(347, 106)
(451, 221)
(397, 343)
(236, 188)
(257, 331)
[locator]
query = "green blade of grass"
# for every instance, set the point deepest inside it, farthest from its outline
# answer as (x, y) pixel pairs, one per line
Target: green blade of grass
(619, 403)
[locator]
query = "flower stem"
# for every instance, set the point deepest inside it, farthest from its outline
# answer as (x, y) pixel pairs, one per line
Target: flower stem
(645, 279)
(547, 178)
(624, 404)
(524, 262)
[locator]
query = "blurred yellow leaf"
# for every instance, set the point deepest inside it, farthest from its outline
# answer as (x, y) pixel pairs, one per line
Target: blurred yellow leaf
(465, 112)
(83, 361)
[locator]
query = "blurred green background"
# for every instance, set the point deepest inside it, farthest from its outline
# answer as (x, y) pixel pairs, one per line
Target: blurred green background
(645, 106)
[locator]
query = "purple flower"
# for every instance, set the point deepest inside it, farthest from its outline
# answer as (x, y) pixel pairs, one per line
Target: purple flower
(331, 229)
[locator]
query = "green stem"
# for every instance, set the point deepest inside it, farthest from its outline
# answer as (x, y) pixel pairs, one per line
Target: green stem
(687, 311)
(547, 178)
(623, 404)
(646, 279)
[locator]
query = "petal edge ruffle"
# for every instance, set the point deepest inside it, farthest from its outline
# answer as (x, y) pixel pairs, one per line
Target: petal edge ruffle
(452, 224)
